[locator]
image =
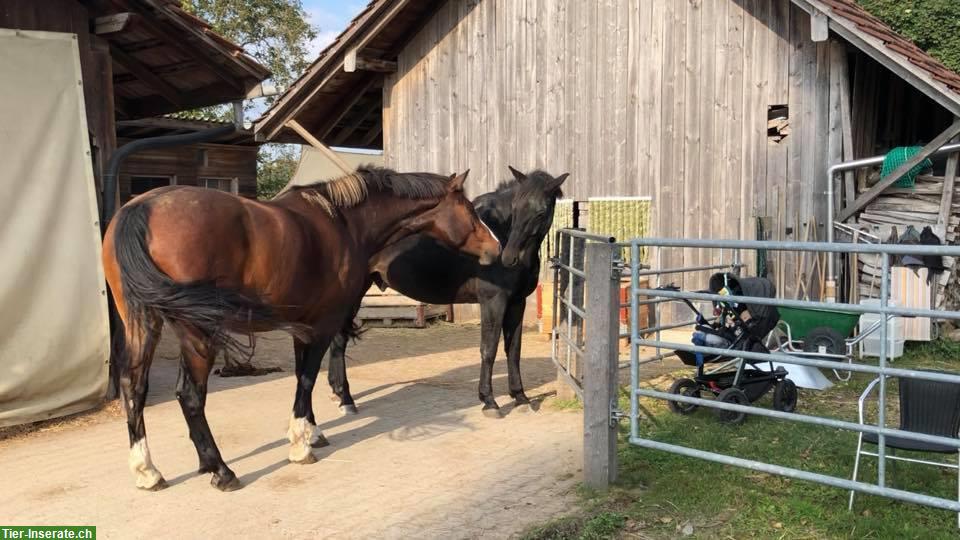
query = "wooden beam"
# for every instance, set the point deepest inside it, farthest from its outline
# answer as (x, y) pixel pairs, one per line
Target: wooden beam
(835, 135)
(314, 142)
(843, 70)
(146, 75)
(885, 182)
(819, 26)
(112, 24)
(355, 61)
(372, 134)
(946, 200)
(349, 129)
(351, 97)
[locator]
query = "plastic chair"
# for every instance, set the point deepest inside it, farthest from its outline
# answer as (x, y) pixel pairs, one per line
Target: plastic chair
(929, 407)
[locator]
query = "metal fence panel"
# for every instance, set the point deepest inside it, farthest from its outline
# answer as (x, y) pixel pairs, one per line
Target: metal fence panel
(880, 429)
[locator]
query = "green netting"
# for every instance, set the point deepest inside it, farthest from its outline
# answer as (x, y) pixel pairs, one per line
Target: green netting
(899, 156)
(624, 218)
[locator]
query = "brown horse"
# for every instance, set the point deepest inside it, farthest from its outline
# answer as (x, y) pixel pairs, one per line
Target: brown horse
(211, 264)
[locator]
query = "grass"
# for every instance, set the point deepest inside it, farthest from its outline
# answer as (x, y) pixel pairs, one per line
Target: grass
(662, 495)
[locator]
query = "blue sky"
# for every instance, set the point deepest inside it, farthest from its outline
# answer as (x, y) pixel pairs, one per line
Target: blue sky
(330, 17)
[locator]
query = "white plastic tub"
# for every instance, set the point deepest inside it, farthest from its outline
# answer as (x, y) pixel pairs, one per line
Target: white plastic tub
(870, 346)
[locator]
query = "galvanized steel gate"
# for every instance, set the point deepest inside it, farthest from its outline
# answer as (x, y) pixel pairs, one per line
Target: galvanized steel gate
(883, 371)
(586, 333)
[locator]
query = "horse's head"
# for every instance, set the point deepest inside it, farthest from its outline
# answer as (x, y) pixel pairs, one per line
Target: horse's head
(454, 222)
(531, 213)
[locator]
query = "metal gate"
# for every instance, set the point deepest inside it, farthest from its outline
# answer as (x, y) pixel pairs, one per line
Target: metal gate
(879, 485)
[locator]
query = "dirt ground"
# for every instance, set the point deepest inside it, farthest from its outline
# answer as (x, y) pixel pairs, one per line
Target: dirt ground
(419, 460)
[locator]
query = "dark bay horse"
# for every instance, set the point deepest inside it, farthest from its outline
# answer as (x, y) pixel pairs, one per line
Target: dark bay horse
(211, 265)
(423, 269)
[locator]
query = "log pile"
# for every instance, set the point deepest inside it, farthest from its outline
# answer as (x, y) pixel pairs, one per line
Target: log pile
(900, 207)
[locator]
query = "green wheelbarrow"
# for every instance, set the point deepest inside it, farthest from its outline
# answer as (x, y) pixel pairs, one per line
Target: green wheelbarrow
(820, 333)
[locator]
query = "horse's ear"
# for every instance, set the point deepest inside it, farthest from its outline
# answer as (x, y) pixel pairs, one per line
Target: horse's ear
(517, 174)
(555, 184)
(456, 183)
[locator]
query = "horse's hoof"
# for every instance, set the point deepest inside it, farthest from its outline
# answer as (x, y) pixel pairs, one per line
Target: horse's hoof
(320, 442)
(523, 408)
(492, 412)
(309, 459)
(226, 483)
(160, 485)
(348, 409)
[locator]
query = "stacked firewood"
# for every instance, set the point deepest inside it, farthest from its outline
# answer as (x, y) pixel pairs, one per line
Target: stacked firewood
(900, 207)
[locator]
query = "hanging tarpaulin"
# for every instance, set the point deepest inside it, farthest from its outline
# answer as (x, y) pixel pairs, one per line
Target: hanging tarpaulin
(54, 334)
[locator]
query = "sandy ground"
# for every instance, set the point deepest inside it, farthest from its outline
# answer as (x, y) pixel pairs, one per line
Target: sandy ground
(420, 459)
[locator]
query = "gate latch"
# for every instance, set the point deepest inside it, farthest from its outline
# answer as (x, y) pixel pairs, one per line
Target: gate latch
(619, 268)
(616, 415)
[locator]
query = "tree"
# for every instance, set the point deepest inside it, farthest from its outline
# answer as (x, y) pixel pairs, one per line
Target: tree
(274, 169)
(275, 32)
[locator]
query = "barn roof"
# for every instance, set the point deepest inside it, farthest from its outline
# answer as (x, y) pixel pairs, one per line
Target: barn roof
(172, 125)
(341, 107)
(899, 54)
(338, 107)
(167, 60)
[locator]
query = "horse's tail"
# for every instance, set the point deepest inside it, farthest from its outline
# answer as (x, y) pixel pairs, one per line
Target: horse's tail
(201, 305)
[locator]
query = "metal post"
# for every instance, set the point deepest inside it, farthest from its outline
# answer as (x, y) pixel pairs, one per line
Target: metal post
(570, 285)
(600, 367)
(634, 337)
(556, 302)
(882, 414)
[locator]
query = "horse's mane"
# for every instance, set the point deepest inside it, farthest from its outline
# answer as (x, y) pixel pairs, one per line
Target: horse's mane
(535, 182)
(352, 189)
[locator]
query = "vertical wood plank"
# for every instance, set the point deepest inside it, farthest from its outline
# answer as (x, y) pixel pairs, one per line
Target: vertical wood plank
(672, 114)
(692, 137)
(835, 131)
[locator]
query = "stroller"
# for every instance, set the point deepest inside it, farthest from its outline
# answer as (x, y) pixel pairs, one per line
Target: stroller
(736, 327)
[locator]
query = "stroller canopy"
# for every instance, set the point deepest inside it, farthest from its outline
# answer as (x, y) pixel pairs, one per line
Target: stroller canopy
(767, 316)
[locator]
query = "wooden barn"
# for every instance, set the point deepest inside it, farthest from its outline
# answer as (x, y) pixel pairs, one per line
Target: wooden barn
(76, 76)
(229, 164)
(720, 111)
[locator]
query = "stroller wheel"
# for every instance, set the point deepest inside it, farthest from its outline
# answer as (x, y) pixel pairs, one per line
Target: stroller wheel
(684, 387)
(785, 396)
(735, 396)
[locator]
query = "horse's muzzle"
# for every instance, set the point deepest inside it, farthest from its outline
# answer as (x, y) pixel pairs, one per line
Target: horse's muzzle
(489, 256)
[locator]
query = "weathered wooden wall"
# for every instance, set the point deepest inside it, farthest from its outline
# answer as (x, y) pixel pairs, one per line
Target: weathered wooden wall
(184, 163)
(666, 98)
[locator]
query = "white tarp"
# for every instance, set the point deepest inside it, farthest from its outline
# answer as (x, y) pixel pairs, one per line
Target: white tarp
(314, 166)
(54, 333)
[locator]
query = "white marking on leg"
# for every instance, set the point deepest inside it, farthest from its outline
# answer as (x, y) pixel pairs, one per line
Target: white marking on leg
(301, 434)
(142, 466)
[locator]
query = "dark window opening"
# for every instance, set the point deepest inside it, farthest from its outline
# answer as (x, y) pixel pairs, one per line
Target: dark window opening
(778, 123)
